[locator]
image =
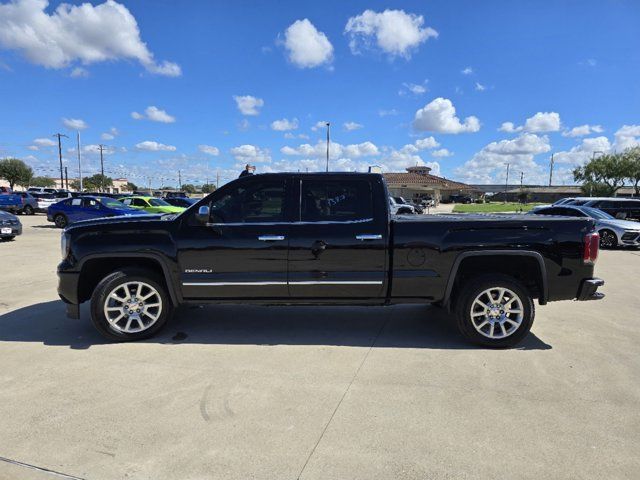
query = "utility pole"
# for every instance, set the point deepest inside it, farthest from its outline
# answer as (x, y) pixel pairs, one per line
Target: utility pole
(79, 162)
(179, 180)
(521, 179)
(59, 135)
(66, 178)
(328, 142)
(506, 184)
(551, 170)
(101, 147)
(217, 179)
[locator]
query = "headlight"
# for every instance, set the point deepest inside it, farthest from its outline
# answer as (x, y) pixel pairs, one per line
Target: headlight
(64, 245)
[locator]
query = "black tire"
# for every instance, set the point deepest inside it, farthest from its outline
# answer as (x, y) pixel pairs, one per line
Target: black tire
(60, 220)
(27, 210)
(464, 302)
(608, 239)
(404, 211)
(118, 279)
(7, 239)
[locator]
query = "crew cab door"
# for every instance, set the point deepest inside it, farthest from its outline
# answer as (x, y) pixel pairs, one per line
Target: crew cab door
(337, 246)
(242, 251)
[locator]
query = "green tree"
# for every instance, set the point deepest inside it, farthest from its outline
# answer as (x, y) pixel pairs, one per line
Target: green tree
(97, 182)
(208, 188)
(75, 185)
(188, 188)
(608, 172)
(42, 182)
(16, 172)
(632, 159)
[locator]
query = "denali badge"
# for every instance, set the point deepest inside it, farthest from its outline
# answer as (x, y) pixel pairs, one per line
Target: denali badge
(198, 270)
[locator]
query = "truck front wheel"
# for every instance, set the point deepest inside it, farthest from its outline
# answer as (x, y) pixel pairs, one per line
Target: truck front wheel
(130, 304)
(494, 311)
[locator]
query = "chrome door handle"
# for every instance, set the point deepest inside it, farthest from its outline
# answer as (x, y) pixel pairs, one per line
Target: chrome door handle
(368, 237)
(271, 238)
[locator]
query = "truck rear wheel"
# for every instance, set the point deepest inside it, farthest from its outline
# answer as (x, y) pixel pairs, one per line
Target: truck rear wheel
(494, 311)
(130, 304)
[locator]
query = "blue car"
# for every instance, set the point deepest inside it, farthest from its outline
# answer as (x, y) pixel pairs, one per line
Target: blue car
(86, 208)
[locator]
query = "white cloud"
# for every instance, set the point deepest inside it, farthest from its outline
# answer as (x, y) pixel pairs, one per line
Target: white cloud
(284, 125)
(509, 127)
(250, 154)
(539, 123)
(79, 72)
(413, 88)
(321, 125)
(489, 164)
(111, 134)
(387, 113)
(336, 150)
(44, 142)
(543, 122)
(152, 146)
(248, 105)
(306, 46)
(627, 136)
(480, 87)
(584, 152)
(467, 71)
(351, 126)
(441, 153)
(154, 114)
(74, 123)
(76, 33)
(290, 135)
(243, 125)
(394, 32)
(209, 150)
(425, 143)
(440, 116)
(582, 130)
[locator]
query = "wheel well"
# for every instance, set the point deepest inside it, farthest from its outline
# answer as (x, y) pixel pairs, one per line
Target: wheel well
(523, 268)
(94, 270)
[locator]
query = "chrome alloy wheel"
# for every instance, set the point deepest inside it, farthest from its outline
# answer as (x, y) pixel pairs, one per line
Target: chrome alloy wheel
(607, 239)
(497, 312)
(133, 307)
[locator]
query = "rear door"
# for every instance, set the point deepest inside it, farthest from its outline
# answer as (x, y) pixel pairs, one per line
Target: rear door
(337, 246)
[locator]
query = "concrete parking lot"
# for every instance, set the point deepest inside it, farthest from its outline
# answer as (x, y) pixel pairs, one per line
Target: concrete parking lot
(239, 392)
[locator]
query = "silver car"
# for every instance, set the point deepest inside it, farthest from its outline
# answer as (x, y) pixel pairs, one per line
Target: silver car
(613, 232)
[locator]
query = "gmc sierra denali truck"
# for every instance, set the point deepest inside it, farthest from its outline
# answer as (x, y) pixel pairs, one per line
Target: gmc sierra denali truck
(295, 238)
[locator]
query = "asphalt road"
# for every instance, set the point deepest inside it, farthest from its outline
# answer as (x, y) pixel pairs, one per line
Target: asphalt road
(240, 392)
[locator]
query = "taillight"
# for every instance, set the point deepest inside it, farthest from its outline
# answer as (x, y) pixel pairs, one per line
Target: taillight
(591, 246)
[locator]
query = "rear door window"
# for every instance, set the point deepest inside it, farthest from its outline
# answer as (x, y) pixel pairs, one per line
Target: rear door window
(336, 200)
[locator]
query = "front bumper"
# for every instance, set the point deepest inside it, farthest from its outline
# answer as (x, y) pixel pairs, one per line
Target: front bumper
(15, 230)
(68, 292)
(588, 289)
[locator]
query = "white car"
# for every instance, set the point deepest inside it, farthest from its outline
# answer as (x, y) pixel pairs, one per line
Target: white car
(400, 209)
(45, 200)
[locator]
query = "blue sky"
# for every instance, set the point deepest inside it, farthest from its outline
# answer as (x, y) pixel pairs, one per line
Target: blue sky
(214, 85)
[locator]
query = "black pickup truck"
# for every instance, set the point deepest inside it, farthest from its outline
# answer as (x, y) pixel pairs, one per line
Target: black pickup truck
(294, 238)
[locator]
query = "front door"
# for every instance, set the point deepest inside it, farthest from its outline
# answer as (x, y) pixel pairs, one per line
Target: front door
(242, 252)
(337, 248)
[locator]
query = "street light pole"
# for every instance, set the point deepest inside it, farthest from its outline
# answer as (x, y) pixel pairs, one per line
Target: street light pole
(506, 184)
(59, 135)
(328, 142)
(551, 170)
(79, 162)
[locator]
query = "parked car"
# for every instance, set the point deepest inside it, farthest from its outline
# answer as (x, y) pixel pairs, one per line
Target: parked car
(73, 210)
(325, 238)
(4, 190)
(151, 205)
(402, 201)
(184, 202)
(613, 232)
(10, 226)
(400, 208)
(617, 207)
(11, 202)
(29, 203)
(44, 201)
(175, 195)
(461, 199)
(42, 190)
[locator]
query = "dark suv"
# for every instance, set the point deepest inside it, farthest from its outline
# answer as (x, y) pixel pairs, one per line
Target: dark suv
(617, 207)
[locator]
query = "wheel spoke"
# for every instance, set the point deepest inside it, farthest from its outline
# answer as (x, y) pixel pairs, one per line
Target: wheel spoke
(482, 324)
(512, 322)
(501, 294)
(491, 328)
(504, 330)
(514, 311)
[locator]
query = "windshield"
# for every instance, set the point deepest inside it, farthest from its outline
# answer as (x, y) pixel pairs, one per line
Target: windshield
(595, 213)
(112, 203)
(158, 202)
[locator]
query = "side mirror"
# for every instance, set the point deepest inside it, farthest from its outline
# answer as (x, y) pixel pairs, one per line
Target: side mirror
(203, 214)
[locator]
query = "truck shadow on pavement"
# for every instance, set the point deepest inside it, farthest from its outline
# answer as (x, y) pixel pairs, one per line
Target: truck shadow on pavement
(402, 326)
